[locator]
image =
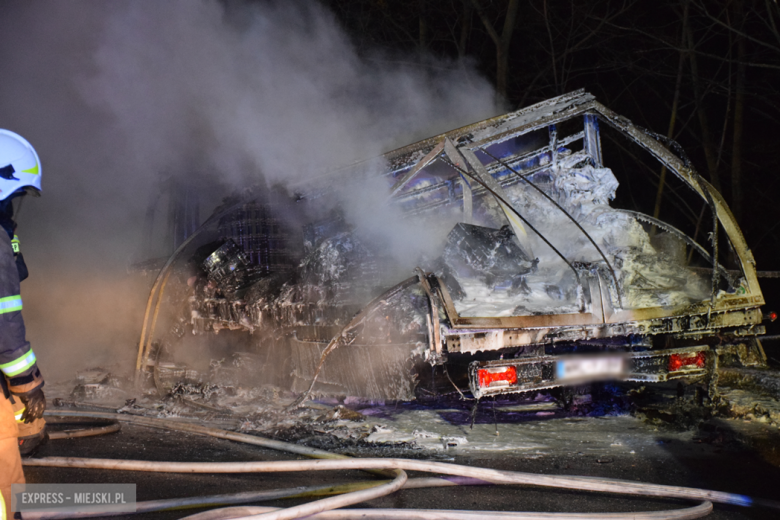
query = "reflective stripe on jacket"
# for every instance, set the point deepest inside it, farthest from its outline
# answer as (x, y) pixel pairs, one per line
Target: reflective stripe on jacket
(19, 365)
(11, 303)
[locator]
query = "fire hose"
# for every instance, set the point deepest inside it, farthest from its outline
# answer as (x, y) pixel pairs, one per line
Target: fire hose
(356, 493)
(247, 512)
(111, 426)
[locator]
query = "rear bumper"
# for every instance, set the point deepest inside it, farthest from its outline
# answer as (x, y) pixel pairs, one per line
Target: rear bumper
(488, 378)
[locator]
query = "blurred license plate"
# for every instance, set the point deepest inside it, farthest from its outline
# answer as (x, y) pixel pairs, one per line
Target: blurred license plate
(589, 368)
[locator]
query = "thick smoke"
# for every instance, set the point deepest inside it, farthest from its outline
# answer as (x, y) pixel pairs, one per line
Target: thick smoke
(117, 96)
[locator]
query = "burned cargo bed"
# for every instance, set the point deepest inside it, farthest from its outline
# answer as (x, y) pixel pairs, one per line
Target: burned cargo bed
(539, 280)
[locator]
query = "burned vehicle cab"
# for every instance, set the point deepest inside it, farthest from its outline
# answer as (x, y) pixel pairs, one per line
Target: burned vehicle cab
(541, 280)
(594, 293)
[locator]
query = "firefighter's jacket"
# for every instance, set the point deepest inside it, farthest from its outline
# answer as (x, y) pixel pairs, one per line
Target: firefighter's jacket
(20, 374)
(17, 359)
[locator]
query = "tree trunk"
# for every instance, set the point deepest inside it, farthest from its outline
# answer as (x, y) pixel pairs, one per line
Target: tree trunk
(502, 64)
(552, 48)
(502, 72)
(673, 117)
(739, 108)
(706, 136)
(465, 30)
(501, 41)
(423, 43)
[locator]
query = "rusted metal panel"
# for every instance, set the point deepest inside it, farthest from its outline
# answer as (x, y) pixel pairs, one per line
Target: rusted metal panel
(699, 324)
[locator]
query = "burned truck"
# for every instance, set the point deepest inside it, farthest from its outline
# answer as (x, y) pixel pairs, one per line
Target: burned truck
(540, 279)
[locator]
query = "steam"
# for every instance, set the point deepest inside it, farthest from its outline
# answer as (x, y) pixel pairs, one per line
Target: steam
(117, 96)
(277, 90)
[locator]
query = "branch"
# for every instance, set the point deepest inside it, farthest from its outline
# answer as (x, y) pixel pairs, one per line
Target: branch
(509, 23)
(489, 26)
(675, 47)
(737, 31)
(552, 47)
(771, 17)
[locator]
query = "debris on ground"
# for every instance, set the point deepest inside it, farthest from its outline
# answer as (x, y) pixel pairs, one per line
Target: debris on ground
(592, 420)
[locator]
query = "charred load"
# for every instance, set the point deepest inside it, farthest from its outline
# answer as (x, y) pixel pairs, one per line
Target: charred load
(490, 255)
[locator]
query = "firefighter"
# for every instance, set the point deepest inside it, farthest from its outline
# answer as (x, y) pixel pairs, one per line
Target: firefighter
(22, 402)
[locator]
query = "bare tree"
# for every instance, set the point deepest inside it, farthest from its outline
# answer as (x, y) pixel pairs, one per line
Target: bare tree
(675, 105)
(501, 41)
(710, 155)
(739, 112)
(465, 29)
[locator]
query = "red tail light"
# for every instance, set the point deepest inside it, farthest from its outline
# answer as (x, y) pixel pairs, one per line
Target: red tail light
(502, 375)
(677, 361)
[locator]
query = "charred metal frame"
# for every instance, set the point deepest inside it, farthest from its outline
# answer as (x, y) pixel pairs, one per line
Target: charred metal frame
(723, 311)
(733, 316)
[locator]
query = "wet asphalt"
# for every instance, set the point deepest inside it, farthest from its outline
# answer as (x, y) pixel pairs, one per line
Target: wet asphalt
(714, 460)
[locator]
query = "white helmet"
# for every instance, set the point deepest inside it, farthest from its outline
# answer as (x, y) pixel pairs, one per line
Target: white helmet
(19, 165)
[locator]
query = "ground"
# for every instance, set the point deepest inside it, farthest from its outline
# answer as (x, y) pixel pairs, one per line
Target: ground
(611, 437)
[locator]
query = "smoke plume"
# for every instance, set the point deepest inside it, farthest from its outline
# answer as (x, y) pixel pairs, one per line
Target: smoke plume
(118, 96)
